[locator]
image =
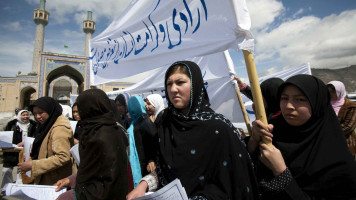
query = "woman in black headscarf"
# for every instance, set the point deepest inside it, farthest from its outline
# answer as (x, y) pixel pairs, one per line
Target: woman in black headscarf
(310, 159)
(78, 126)
(121, 103)
(50, 156)
(269, 89)
(197, 145)
(102, 172)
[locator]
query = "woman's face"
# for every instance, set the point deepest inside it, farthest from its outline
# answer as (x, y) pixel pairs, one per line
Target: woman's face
(25, 117)
(333, 96)
(295, 106)
(75, 113)
(150, 109)
(120, 108)
(178, 89)
(40, 115)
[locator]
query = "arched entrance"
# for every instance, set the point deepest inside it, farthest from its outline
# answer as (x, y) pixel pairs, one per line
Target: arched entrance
(61, 89)
(61, 84)
(26, 96)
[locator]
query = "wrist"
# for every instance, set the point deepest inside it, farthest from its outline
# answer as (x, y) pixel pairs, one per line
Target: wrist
(280, 170)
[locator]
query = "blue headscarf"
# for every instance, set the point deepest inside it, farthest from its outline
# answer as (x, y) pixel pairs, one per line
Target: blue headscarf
(136, 108)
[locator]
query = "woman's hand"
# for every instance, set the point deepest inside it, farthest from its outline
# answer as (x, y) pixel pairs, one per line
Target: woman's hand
(76, 141)
(151, 167)
(20, 144)
(139, 191)
(24, 166)
(272, 158)
(239, 82)
(259, 132)
(62, 183)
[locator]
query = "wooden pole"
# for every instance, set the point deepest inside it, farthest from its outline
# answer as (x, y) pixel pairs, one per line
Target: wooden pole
(244, 113)
(255, 88)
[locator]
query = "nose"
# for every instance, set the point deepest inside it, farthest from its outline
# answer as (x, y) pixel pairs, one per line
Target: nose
(174, 88)
(290, 105)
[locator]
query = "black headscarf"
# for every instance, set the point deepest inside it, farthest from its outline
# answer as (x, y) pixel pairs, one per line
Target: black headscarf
(102, 172)
(126, 120)
(116, 112)
(54, 110)
(202, 148)
(269, 89)
(78, 126)
(316, 152)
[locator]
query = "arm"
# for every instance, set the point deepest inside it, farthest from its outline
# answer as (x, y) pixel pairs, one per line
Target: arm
(147, 183)
(61, 152)
(245, 89)
(283, 183)
(68, 182)
(348, 123)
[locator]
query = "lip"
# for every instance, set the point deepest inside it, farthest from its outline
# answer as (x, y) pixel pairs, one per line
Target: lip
(290, 116)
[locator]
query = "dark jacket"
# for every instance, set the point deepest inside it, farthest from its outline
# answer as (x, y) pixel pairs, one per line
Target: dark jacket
(145, 133)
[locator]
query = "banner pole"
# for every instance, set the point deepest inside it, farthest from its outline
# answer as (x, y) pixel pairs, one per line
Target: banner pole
(244, 112)
(256, 90)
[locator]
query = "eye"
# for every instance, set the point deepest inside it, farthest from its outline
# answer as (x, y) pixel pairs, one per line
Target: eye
(284, 98)
(302, 99)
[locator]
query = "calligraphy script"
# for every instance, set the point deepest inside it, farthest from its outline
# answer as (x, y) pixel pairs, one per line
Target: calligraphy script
(152, 34)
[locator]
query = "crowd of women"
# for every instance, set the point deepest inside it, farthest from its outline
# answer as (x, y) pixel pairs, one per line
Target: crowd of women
(132, 145)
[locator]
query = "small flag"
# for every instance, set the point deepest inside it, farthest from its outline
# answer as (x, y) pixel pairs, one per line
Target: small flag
(65, 46)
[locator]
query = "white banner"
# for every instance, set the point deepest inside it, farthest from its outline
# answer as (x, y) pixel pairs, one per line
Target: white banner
(151, 34)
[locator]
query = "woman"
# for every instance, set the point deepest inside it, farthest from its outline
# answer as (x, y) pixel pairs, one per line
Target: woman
(345, 110)
(154, 105)
(23, 126)
(310, 159)
(50, 155)
(269, 88)
(197, 145)
(78, 127)
(141, 139)
(102, 172)
(121, 103)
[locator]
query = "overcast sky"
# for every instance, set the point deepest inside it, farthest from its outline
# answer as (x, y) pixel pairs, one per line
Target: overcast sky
(288, 33)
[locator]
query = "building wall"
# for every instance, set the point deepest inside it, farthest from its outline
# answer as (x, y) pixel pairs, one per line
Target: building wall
(9, 95)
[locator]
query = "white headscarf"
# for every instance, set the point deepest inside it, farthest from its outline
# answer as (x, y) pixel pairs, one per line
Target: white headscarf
(22, 125)
(157, 101)
(340, 94)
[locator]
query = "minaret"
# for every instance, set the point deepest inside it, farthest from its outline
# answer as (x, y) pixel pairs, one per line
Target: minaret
(89, 29)
(41, 19)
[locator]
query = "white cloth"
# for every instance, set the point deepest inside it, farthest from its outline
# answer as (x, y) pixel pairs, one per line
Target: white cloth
(22, 125)
(6, 177)
(149, 35)
(156, 101)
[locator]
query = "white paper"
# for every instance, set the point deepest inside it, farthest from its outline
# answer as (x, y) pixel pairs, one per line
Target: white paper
(75, 153)
(6, 139)
(73, 125)
(28, 141)
(172, 191)
(39, 192)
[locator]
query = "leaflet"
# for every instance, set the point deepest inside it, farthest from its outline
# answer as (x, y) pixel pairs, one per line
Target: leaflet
(173, 191)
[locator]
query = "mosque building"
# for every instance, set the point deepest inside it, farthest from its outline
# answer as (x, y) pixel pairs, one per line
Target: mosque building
(56, 75)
